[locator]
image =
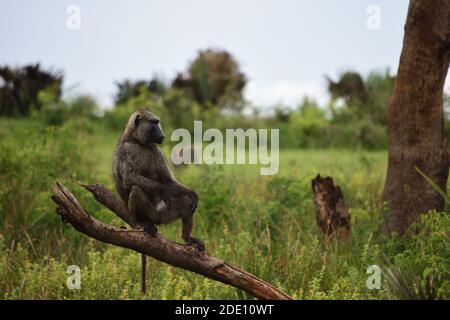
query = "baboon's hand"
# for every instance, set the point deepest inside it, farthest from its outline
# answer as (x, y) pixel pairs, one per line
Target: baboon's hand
(193, 197)
(166, 196)
(196, 243)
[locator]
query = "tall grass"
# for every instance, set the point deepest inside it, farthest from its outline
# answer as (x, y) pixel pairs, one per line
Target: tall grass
(264, 224)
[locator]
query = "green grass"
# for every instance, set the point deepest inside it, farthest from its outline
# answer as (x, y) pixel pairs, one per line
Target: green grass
(264, 224)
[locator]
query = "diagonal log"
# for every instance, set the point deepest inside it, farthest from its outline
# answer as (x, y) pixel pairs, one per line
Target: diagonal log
(160, 248)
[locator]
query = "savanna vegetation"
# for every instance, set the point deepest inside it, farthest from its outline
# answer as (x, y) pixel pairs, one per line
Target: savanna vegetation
(264, 224)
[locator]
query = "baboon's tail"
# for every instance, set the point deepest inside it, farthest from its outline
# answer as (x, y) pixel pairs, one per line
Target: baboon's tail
(143, 274)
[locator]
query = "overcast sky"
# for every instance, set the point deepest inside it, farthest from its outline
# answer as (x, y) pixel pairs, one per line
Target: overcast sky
(284, 47)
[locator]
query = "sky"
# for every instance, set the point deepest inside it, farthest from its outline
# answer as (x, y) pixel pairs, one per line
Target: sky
(285, 47)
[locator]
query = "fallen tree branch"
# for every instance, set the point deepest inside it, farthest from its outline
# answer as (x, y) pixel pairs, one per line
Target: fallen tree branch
(181, 256)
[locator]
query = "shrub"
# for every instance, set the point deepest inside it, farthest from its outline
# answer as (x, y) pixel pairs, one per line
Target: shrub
(30, 162)
(422, 257)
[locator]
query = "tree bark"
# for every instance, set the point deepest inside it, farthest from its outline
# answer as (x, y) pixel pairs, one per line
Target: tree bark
(181, 256)
(416, 116)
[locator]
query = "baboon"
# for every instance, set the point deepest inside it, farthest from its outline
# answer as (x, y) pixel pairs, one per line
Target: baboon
(145, 182)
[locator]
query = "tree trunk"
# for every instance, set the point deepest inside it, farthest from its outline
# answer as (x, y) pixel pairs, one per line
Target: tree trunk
(416, 116)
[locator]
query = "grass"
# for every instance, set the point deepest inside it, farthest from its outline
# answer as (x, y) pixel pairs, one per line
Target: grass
(264, 224)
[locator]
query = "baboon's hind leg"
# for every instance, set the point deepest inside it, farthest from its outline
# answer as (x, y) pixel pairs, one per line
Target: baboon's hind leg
(143, 210)
(187, 220)
(188, 223)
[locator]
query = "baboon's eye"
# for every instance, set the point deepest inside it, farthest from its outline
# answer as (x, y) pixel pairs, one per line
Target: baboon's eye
(154, 121)
(136, 120)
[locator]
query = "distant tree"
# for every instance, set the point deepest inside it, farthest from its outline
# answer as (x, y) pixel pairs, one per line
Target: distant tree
(214, 77)
(349, 87)
(20, 88)
(416, 117)
(364, 97)
(127, 89)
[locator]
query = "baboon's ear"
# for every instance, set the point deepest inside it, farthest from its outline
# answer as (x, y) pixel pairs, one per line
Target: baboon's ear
(136, 120)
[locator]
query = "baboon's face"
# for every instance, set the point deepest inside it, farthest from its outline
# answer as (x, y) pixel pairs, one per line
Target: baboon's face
(148, 129)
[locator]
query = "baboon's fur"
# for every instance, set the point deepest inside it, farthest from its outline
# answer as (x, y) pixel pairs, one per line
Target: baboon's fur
(146, 183)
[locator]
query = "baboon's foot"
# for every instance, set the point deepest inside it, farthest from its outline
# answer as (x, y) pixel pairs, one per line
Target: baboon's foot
(197, 243)
(151, 229)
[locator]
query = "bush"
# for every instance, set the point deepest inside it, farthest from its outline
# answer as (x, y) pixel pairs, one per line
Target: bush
(117, 118)
(362, 133)
(422, 257)
(83, 106)
(54, 114)
(31, 160)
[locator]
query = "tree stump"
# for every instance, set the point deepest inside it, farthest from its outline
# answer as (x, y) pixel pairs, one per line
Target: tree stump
(332, 215)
